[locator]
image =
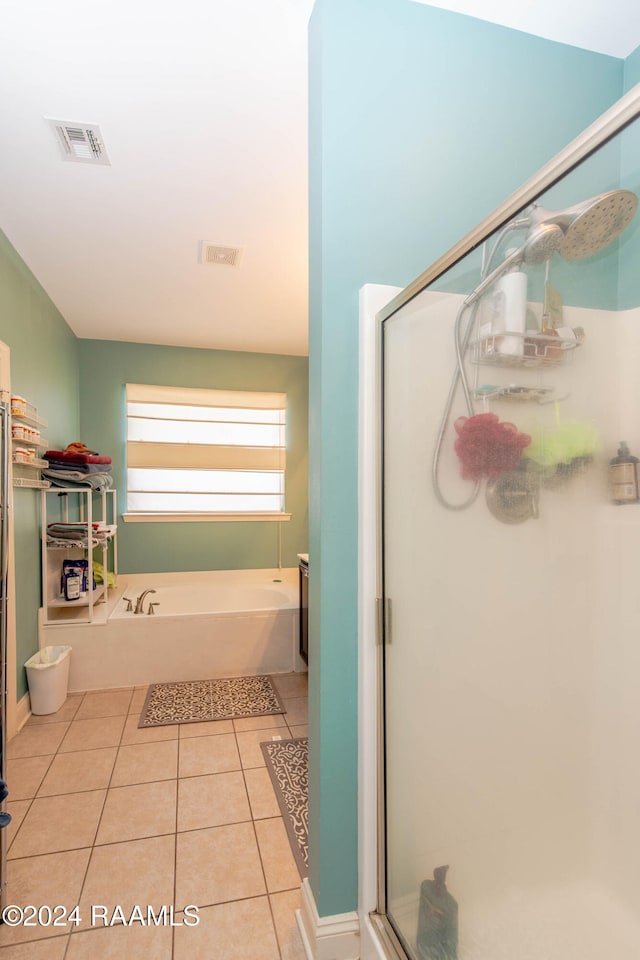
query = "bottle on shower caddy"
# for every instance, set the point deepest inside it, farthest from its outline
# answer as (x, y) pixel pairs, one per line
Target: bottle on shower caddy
(624, 480)
(510, 313)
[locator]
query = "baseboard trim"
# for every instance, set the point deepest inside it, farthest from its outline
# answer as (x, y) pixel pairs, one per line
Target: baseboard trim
(303, 934)
(23, 711)
(327, 938)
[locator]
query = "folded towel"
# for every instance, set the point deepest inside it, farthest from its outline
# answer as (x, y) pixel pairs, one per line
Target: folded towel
(71, 478)
(70, 527)
(75, 457)
(72, 474)
(81, 467)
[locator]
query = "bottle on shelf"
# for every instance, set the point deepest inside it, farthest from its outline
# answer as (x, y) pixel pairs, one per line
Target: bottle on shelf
(623, 476)
(26, 441)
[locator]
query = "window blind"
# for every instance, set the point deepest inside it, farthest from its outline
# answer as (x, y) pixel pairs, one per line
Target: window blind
(193, 450)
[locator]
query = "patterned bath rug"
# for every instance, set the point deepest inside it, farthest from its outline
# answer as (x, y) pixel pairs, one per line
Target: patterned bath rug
(192, 701)
(288, 765)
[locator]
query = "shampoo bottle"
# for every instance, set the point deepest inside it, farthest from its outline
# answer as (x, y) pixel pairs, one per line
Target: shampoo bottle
(510, 312)
(623, 476)
(437, 920)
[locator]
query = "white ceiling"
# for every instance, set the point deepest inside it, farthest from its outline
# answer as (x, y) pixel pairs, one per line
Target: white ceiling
(202, 106)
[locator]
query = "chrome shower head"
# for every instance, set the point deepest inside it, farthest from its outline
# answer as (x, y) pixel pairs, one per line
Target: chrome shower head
(543, 241)
(574, 233)
(586, 227)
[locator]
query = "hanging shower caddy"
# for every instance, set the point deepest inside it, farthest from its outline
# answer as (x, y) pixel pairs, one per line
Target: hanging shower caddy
(529, 349)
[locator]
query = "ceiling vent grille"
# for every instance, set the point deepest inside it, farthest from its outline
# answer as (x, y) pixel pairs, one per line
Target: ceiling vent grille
(217, 254)
(80, 141)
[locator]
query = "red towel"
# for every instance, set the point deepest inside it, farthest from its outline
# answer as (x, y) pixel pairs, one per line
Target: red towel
(75, 457)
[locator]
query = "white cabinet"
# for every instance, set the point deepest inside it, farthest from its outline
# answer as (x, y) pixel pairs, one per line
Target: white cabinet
(26, 444)
(77, 524)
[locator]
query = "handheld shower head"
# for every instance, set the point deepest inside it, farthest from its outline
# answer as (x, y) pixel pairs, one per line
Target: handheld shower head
(543, 241)
(586, 227)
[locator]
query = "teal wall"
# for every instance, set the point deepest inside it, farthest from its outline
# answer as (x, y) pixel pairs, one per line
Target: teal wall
(421, 123)
(630, 178)
(44, 369)
(106, 366)
(632, 70)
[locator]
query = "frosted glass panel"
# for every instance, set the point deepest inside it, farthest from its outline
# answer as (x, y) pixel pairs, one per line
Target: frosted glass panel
(512, 661)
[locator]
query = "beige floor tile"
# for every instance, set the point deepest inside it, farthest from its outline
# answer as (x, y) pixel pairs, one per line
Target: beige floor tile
(25, 774)
(280, 868)
(48, 880)
(137, 700)
(52, 949)
(297, 710)
(202, 755)
(259, 723)
(212, 801)
(249, 745)
(290, 685)
(18, 810)
(138, 872)
(222, 858)
(261, 793)
(67, 711)
(59, 823)
(217, 865)
(299, 730)
(93, 734)
(144, 762)
(81, 770)
(205, 728)
(135, 942)
(114, 704)
(37, 740)
(135, 734)
(283, 907)
(230, 931)
(141, 810)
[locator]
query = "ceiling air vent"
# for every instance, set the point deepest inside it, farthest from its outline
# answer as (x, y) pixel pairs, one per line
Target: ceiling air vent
(80, 141)
(217, 254)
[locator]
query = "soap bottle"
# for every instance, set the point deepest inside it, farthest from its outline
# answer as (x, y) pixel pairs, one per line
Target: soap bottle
(623, 476)
(437, 920)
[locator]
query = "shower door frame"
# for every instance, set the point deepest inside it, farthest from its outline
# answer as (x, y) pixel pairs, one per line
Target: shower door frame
(607, 126)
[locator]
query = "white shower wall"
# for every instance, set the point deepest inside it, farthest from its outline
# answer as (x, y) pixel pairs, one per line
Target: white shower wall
(514, 648)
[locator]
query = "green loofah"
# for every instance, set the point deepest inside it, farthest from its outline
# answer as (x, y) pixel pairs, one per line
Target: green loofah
(564, 443)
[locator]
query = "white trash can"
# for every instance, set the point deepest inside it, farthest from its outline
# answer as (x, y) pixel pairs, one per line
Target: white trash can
(48, 678)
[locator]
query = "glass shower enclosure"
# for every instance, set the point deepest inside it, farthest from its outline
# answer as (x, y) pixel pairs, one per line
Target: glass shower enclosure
(510, 561)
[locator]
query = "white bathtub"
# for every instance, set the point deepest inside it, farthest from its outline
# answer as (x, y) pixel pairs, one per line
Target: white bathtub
(224, 623)
(202, 598)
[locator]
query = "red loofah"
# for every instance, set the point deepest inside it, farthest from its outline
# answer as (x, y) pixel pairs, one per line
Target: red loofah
(486, 447)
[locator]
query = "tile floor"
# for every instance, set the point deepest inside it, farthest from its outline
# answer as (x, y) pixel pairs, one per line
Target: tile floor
(105, 815)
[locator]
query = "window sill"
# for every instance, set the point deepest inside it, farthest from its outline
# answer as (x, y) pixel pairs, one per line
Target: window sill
(201, 517)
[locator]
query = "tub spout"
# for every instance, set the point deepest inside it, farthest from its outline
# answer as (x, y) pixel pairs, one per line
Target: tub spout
(140, 599)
